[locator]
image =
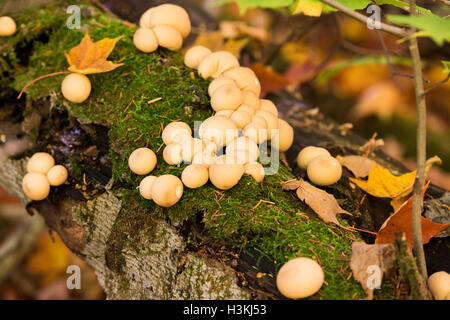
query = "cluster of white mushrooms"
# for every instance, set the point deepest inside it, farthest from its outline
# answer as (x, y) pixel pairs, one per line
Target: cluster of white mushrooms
(322, 169)
(41, 174)
(7, 26)
(165, 26)
(235, 94)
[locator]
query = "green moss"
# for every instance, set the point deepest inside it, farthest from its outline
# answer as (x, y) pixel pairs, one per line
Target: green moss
(119, 100)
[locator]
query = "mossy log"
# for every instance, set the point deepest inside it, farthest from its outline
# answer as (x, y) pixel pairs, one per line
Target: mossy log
(212, 244)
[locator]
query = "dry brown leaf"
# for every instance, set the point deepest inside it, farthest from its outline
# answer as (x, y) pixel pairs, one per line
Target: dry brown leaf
(382, 183)
(359, 166)
(269, 79)
(364, 256)
(90, 57)
(213, 40)
(401, 221)
(323, 203)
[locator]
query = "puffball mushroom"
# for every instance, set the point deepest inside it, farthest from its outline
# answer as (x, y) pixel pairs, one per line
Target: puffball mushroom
(204, 158)
(7, 26)
(225, 174)
(195, 55)
(271, 121)
(256, 170)
(191, 147)
(218, 129)
(226, 97)
(256, 131)
(324, 170)
(439, 285)
(145, 40)
(243, 144)
(168, 37)
(245, 79)
(142, 161)
(167, 14)
(76, 87)
(145, 187)
(176, 132)
(172, 154)
(218, 82)
(300, 278)
(269, 106)
(225, 113)
(40, 162)
(36, 186)
(286, 135)
(217, 63)
(241, 118)
(251, 99)
(194, 176)
(167, 190)
(57, 175)
(246, 108)
(309, 153)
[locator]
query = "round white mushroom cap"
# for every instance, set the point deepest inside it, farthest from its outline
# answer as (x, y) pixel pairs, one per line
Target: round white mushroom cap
(142, 161)
(36, 186)
(195, 176)
(167, 14)
(57, 175)
(40, 162)
(195, 55)
(76, 87)
(309, 153)
(167, 190)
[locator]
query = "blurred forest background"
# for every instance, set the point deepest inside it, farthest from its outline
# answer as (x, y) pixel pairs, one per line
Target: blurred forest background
(332, 63)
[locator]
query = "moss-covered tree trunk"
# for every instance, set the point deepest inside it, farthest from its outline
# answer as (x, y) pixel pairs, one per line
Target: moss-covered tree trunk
(210, 245)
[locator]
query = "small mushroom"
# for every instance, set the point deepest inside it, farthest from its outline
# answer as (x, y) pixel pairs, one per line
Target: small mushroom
(256, 131)
(241, 118)
(286, 135)
(167, 14)
(271, 121)
(439, 285)
(168, 37)
(195, 55)
(256, 170)
(251, 99)
(76, 87)
(194, 176)
(324, 170)
(176, 132)
(218, 129)
(167, 190)
(269, 106)
(172, 154)
(7, 26)
(309, 153)
(226, 97)
(145, 187)
(216, 64)
(191, 147)
(225, 173)
(145, 40)
(245, 149)
(40, 162)
(218, 82)
(246, 108)
(36, 186)
(245, 79)
(204, 158)
(57, 175)
(225, 113)
(300, 278)
(142, 161)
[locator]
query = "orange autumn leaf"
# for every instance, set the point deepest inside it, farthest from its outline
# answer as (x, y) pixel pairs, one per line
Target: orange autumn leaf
(401, 221)
(382, 183)
(90, 57)
(269, 79)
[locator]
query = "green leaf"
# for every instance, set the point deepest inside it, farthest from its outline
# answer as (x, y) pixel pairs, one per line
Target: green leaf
(335, 69)
(433, 26)
(246, 4)
(401, 4)
(446, 66)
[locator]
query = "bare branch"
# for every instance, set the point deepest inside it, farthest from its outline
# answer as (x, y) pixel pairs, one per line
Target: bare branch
(437, 84)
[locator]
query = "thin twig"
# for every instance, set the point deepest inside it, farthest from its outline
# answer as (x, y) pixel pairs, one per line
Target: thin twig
(437, 84)
(39, 78)
(358, 16)
(421, 142)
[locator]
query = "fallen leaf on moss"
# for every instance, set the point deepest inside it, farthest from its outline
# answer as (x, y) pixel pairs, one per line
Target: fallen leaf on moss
(401, 221)
(323, 203)
(359, 166)
(381, 183)
(365, 257)
(90, 57)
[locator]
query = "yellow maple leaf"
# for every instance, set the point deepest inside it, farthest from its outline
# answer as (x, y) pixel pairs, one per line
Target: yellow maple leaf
(382, 183)
(90, 57)
(308, 8)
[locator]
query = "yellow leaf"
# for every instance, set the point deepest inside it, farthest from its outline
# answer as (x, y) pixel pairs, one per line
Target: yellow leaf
(308, 8)
(235, 46)
(381, 183)
(90, 57)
